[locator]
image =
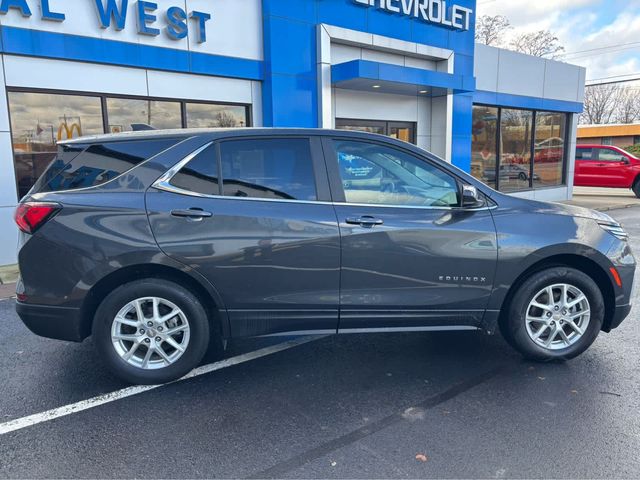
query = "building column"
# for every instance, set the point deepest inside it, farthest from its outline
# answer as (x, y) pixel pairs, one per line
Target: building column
(8, 187)
(289, 90)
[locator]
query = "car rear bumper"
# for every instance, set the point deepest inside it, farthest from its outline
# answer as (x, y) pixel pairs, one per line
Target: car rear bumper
(60, 323)
(621, 312)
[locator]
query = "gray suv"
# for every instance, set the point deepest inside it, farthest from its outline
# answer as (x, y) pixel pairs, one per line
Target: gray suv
(163, 244)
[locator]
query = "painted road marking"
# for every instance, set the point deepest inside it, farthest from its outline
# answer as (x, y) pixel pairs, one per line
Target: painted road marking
(24, 422)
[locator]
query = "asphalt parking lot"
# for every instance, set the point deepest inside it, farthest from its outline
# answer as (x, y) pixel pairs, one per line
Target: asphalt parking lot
(445, 405)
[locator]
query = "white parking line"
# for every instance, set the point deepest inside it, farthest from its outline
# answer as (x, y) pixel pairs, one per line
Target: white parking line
(20, 423)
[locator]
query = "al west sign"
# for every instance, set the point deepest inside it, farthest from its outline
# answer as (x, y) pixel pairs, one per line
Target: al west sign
(432, 11)
(113, 13)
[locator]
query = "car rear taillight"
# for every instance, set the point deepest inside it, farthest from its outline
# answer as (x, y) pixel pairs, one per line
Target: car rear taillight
(30, 216)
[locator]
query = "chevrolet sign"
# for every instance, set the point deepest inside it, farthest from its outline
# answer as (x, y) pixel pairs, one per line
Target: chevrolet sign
(432, 11)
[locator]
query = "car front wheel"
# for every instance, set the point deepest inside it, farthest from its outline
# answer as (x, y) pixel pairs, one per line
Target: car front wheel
(636, 188)
(151, 331)
(556, 314)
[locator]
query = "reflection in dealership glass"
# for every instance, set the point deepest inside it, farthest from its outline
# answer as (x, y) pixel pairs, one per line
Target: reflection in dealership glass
(509, 172)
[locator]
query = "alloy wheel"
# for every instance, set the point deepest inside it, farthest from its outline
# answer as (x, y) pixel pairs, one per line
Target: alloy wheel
(150, 333)
(558, 316)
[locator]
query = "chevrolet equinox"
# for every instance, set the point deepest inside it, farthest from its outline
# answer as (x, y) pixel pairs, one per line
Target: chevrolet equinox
(162, 244)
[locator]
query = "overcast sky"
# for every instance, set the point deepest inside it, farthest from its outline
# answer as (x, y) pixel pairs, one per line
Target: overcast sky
(581, 25)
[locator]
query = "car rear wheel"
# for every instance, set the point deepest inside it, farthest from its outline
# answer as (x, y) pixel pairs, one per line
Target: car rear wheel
(556, 314)
(151, 331)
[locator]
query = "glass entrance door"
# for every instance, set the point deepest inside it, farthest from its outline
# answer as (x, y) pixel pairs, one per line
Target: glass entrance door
(405, 131)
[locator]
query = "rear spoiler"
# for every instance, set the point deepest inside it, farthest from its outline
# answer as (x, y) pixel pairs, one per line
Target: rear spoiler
(141, 127)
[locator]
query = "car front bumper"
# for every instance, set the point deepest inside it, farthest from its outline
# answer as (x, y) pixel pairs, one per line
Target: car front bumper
(621, 312)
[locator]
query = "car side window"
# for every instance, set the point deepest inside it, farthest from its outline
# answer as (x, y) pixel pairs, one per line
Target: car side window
(200, 175)
(270, 168)
(584, 154)
(607, 155)
(376, 174)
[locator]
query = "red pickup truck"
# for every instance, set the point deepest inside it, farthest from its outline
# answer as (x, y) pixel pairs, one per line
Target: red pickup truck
(607, 166)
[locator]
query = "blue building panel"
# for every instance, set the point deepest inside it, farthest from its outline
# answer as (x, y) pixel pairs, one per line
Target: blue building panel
(521, 101)
(37, 43)
(414, 77)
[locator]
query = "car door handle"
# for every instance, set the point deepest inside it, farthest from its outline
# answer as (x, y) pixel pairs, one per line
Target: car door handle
(365, 221)
(192, 213)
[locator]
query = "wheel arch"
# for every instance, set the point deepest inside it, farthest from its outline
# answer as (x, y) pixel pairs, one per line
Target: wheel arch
(583, 264)
(209, 299)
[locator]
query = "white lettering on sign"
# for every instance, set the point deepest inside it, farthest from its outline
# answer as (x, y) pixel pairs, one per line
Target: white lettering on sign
(432, 11)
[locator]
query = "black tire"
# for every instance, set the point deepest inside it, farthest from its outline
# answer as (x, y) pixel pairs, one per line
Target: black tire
(199, 330)
(513, 324)
(636, 187)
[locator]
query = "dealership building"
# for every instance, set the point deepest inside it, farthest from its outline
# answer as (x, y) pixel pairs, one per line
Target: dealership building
(405, 68)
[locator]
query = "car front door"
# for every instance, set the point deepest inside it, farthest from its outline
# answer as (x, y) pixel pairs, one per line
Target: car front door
(253, 216)
(411, 257)
(612, 167)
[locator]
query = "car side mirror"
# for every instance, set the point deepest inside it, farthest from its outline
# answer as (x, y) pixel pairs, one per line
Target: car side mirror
(626, 161)
(471, 197)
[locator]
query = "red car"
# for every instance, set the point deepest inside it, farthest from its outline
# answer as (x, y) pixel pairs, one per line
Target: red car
(607, 166)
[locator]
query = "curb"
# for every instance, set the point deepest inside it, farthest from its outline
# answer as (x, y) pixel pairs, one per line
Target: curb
(618, 207)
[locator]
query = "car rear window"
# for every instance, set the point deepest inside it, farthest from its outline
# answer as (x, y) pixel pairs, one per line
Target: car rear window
(81, 166)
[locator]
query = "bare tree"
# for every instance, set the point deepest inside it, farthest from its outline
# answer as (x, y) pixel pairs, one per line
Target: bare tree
(490, 29)
(225, 120)
(542, 43)
(628, 106)
(600, 104)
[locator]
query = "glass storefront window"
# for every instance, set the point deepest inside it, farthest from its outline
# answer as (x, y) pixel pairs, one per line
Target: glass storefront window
(549, 149)
(39, 121)
(202, 115)
(405, 131)
(503, 142)
(516, 132)
(483, 148)
(123, 112)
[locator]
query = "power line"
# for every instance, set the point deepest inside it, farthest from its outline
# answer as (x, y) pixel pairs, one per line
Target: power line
(601, 48)
(595, 54)
(610, 80)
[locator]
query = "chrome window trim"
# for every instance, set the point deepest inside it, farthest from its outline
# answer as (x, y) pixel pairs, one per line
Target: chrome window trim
(171, 189)
(164, 183)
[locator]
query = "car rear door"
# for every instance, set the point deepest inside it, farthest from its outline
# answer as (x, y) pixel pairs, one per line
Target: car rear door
(586, 167)
(411, 258)
(253, 216)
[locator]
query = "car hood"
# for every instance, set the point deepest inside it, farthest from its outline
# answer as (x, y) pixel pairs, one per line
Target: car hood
(564, 209)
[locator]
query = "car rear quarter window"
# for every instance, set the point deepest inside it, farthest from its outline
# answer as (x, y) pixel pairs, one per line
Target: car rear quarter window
(274, 168)
(200, 175)
(584, 154)
(91, 165)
